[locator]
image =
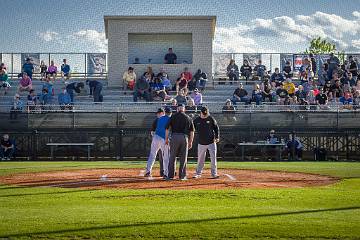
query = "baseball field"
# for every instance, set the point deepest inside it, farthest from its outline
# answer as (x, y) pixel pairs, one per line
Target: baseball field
(110, 200)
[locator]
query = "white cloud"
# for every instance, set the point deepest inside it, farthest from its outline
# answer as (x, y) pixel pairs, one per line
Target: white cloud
(356, 43)
(93, 37)
(48, 35)
(295, 32)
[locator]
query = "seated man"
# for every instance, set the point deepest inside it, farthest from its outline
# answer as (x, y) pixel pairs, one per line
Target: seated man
(64, 100)
(170, 57)
(246, 70)
(272, 139)
(7, 148)
(44, 97)
(197, 96)
(287, 70)
(49, 86)
(346, 100)
(129, 78)
(201, 79)
(25, 83)
(65, 70)
(17, 107)
(32, 100)
(277, 77)
(289, 86)
(95, 90)
(166, 83)
(181, 97)
(260, 70)
(4, 80)
(187, 74)
(142, 89)
(158, 92)
(240, 95)
(229, 111)
(294, 148)
(232, 71)
(28, 67)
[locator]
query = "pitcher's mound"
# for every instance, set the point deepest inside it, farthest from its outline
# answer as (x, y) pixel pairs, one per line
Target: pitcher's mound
(132, 179)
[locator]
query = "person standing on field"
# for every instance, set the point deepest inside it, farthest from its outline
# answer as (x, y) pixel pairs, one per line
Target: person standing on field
(158, 143)
(208, 130)
(182, 136)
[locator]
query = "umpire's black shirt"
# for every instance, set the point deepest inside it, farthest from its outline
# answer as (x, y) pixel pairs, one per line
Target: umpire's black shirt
(207, 129)
(180, 123)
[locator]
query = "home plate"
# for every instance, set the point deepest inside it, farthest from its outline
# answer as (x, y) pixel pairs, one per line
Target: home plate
(231, 177)
(142, 172)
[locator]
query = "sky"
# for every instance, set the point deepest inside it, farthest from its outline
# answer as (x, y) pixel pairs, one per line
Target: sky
(242, 26)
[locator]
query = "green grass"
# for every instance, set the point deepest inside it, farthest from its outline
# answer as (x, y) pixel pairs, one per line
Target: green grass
(329, 212)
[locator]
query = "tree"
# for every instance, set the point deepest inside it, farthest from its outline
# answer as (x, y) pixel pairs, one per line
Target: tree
(320, 46)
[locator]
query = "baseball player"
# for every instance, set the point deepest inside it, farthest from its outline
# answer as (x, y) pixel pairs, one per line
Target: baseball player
(208, 130)
(158, 143)
(182, 136)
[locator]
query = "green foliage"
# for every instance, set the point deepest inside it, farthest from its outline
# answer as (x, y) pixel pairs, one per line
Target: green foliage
(320, 46)
(329, 212)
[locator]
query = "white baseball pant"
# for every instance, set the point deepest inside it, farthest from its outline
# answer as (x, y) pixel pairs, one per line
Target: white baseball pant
(157, 144)
(202, 155)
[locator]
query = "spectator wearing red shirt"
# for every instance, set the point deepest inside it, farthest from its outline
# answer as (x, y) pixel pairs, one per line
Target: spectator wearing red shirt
(188, 75)
(181, 83)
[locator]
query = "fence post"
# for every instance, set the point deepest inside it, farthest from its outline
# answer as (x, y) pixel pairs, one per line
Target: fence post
(73, 120)
(347, 147)
(120, 154)
(34, 145)
(85, 67)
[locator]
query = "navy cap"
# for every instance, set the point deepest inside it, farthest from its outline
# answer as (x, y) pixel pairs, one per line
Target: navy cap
(204, 110)
(160, 110)
(168, 110)
(181, 105)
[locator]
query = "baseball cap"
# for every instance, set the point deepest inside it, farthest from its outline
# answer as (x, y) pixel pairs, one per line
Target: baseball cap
(168, 110)
(181, 105)
(196, 90)
(160, 110)
(204, 110)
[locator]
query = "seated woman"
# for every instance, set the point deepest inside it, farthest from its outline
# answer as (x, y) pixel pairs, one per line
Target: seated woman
(229, 110)
(43, 70)
(64, 100)
(4, 80)
(25, 84)
(129, 78)
(181, 83)
(157, 89)
(181, 97)
(257, 94)
(191, 107)
(52, 70)
(150, 72)
(246, 70)
(166, 83)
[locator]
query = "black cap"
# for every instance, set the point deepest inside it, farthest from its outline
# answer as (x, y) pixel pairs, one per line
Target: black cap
(160, 110)
(168, 110)
(181, 105)
(204, 110)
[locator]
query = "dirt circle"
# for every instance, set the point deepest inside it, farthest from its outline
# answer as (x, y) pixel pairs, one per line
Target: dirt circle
(133, 179)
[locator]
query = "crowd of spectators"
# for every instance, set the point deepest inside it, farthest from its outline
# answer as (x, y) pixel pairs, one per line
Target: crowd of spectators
(334, 84)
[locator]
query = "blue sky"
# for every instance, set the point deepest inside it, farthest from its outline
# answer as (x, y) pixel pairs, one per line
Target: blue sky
(242, 26)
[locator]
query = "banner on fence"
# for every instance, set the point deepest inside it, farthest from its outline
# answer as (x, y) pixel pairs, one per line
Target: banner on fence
(252, 59)
(34, 58)
(298, 61)
(221, 61)
(96, 63)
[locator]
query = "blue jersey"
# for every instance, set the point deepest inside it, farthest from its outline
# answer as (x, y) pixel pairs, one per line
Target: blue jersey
(160, 126)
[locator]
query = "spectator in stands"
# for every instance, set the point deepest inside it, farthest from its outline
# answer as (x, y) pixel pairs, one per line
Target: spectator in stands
(334, 63)
(282, 94)
(32, 100)
(322, 75)
(277, 77)
(357, 85)
(257, 94)
(201, 79)
(337, 89)
(306, 72)
(229, 111)
(266, 91)
(308, 85)
(173, 105)
(141, 89)
(64, 100)
(192, 84)
(170, 57)
(149, 74)
(191, 107)
(74, 87)
(260, 70)
(43, 70)
(197, 96)
(187, 74)
(313, 63)
(65, 70)
(166, 82)
(25, 83)
(2, 66)
(52, 70)
(300, 93)
(232, 71)
(356, 100)
(181, 83)
(28, 67)
(311, 99)
(321, 98)
(327, 87)
(346, 99)
(240, 95)
(44, 97)
(287, 70)
(353, 68)
(158, 92)
(246, 70)
(4, 80)
(294, 148)
(17, 107)
(95, 88)
(49, 86)
(181, 97)
(272, 139)
(7, 148)
(348, 80)
(289, 86)
(129, 78)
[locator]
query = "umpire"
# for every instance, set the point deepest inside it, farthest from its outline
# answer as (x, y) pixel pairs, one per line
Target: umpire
(208, 130)
(182, 136)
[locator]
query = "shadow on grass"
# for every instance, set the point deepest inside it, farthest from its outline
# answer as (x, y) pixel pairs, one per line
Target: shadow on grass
(191, 221)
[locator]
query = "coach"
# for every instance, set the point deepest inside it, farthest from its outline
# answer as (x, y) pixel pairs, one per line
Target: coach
(182, 136)
(208, 130)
